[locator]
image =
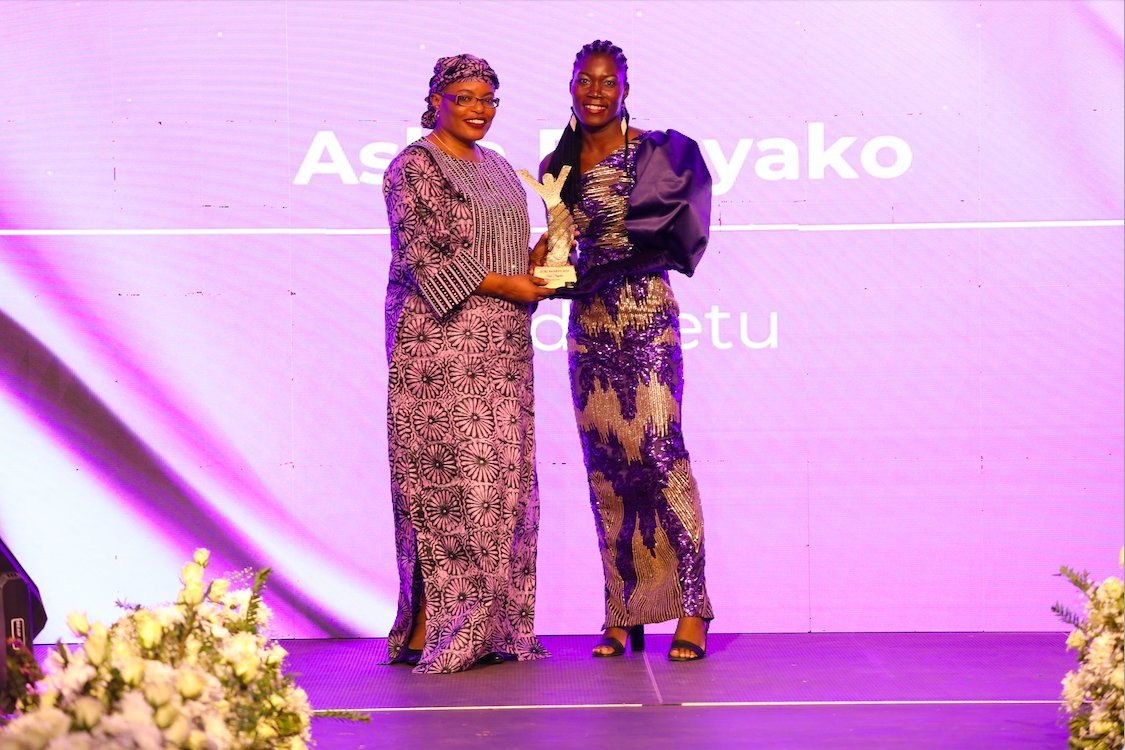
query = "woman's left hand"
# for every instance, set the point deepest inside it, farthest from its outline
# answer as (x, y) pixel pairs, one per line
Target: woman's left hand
(538, 253)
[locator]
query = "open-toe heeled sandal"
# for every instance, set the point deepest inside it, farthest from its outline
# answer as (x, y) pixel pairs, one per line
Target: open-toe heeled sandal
(636, 636)
(698, 651)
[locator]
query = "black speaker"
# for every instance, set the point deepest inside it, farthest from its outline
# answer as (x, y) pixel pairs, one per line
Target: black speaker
(21, 608)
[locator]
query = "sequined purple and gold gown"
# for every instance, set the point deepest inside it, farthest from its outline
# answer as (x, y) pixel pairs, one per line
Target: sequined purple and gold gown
(626, 368)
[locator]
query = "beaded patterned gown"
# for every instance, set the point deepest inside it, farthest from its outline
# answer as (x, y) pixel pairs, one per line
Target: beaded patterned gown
(626, 367)
(460, 409)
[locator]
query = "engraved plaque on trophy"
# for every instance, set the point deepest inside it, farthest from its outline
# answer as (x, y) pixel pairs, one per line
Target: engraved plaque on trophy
(560, 230)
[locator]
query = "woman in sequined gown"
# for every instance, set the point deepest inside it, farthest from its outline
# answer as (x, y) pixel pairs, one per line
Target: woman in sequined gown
(460, 405)
(642, 204)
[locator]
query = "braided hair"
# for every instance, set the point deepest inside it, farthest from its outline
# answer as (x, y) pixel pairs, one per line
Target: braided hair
(569, 150)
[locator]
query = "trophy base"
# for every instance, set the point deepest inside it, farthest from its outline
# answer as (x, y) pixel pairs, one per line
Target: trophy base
(556, 276)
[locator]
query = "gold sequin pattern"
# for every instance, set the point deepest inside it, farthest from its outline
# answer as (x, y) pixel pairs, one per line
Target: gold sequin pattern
(626, 369)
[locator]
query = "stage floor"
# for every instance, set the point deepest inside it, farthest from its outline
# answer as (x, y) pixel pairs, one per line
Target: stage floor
(823, 691)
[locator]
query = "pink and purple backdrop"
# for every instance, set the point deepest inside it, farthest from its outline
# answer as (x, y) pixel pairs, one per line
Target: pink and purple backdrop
(904, 348)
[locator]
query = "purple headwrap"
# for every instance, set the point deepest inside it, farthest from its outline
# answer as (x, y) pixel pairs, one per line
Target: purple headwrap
(449, 70)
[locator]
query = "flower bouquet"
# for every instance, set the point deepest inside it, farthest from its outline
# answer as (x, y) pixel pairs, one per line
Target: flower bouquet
(22, 673)
(195, 674)
(1092, 694)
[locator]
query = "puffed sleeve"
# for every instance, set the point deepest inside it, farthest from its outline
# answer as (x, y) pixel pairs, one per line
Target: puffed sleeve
(668, 216)
(669, 211)
(431, 237)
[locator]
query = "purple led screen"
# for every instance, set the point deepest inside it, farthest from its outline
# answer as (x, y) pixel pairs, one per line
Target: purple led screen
(904, 346)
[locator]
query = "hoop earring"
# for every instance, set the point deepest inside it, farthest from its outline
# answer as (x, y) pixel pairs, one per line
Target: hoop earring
(573, 120)
(624, 122)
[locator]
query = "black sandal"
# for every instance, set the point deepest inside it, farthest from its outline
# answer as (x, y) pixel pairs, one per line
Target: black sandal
(636, 636)
(493, 657)
(410, 656)
(699, 651)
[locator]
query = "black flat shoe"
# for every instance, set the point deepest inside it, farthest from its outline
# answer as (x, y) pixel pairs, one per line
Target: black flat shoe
(636, 635)
(410, 656)
(492, 658)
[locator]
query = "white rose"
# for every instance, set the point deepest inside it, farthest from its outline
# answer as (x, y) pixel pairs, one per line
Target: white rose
(263, 614)
(216, 729)
(54, 721)
(158, 671)
(73, 679)
(192, 593)
(123, 649)
(86, 711)
(1076, 640)
(1073, 691)
(297, 701)
(1100, 655)
(1110, 590)
(197, 740)
(168, 616)
(201, 556)
(276, 655)
(158, 693)
(1101, 727)
(246, 669)
(238, 599)
(190, 683)
(134, 709)
(149, 632)
(131, 727)
(35, 730)
(97, 644)
(241, 652)
(78, 623)
(132, 670)
(74, 741)
(58, 657)
(265, 731)
(178, 732)
(219, 588)
(192, 573)
(166, 715)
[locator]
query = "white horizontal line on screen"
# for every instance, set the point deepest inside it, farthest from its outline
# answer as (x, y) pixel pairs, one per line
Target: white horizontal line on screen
(485, 708)
(358, 231)
(876, 703)
(365, 231)
(707, 704)
(931, 225)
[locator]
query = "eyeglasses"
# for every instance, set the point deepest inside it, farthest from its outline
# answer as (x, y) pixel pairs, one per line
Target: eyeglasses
(464, 100)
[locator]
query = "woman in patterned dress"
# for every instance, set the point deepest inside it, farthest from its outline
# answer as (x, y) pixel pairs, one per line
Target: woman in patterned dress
(460, 405)
(642, 202)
